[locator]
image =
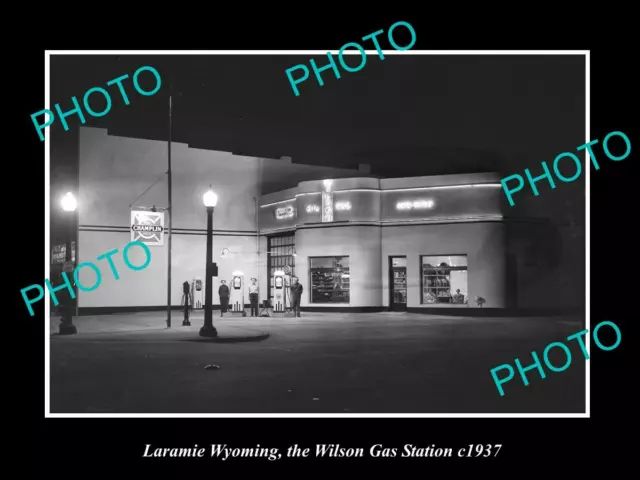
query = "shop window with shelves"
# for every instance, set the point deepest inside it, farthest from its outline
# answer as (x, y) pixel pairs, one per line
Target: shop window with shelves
(330, 279)
(443, 279)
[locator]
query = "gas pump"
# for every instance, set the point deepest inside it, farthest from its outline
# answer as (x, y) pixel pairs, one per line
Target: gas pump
(280, 292)
(287, 292)
(196, 293)
(236, 299)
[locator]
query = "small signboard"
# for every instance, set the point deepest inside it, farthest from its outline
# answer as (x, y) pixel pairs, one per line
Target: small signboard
(284, 212)
(68, 267)
(59, 253)
(147, 227)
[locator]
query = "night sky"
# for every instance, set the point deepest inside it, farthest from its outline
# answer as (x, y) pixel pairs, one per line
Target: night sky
(404, 115)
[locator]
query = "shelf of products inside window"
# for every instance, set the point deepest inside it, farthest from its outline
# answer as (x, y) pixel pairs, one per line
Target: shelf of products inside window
(429, 270)
(440, 293)
(330, 281)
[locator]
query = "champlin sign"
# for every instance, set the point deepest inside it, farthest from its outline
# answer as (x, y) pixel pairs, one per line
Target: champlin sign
(147, 227)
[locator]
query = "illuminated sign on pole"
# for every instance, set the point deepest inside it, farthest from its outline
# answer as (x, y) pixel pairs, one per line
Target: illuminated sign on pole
(59, 253)
(415, 205)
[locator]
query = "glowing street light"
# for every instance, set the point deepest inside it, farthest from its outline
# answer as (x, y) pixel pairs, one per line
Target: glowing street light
(210, 200)
(69, 203)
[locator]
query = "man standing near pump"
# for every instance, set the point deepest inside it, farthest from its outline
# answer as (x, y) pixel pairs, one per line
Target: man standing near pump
(223, 292)
(254, 294)
(296, 294)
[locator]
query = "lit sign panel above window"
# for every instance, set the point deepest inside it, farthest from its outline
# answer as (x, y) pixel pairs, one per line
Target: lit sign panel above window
(284, 212)
(343, 205)
(415, 205)
(313, 208)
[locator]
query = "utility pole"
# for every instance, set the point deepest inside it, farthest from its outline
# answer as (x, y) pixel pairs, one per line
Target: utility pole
(170, 222)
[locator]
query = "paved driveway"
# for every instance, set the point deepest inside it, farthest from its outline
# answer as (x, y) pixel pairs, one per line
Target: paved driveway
(322, 363)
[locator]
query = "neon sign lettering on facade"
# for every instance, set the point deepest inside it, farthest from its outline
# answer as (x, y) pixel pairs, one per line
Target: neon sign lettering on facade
(415, 205)
(284, 212)
(313, 208)
(343, 205)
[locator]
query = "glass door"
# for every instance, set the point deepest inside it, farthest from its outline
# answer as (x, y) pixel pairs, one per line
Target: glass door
(398, 283)
(280, 250)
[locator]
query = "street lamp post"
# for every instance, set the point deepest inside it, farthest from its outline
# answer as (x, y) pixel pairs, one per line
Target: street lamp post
(210, 200)
(69, 205)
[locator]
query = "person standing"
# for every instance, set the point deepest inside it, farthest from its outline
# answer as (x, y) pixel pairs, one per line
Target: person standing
(254, 295)
(224, 293)
(296, 294)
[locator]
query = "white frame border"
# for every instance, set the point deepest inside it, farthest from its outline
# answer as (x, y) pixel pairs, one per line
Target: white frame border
(47, 253)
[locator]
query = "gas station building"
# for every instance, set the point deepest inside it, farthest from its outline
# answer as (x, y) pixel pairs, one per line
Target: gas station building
(356, 242)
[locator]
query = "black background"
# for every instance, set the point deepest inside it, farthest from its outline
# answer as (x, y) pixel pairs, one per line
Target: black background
(81, 448)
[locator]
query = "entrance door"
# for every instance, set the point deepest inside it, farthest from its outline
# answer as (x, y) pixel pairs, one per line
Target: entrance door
(398, 283)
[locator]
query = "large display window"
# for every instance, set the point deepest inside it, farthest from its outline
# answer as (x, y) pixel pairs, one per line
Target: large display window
(329, 279)
(444, 279)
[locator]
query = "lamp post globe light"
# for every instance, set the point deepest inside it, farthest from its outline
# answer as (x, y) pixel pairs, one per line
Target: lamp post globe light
(69, 202)
(210, 200)
(69, 205)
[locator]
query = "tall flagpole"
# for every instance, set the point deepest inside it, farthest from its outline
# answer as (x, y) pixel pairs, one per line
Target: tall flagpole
(170, 222)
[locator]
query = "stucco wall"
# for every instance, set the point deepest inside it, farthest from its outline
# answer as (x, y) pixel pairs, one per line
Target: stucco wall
(361, 244)
(114, 171)
(483, 243)
(148, 287)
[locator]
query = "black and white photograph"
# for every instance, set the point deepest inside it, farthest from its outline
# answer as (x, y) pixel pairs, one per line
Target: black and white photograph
(404, 245)
(384, 233)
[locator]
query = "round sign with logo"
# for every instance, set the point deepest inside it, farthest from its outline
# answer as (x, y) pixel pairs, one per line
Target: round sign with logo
(287, 270)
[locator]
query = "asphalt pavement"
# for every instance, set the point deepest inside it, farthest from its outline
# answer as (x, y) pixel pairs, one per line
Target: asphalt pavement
(322, 363)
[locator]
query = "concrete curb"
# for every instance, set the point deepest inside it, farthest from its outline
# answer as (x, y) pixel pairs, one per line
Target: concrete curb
(229, 339)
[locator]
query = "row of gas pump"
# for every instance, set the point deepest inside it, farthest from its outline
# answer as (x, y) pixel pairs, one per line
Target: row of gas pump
(193, 295)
